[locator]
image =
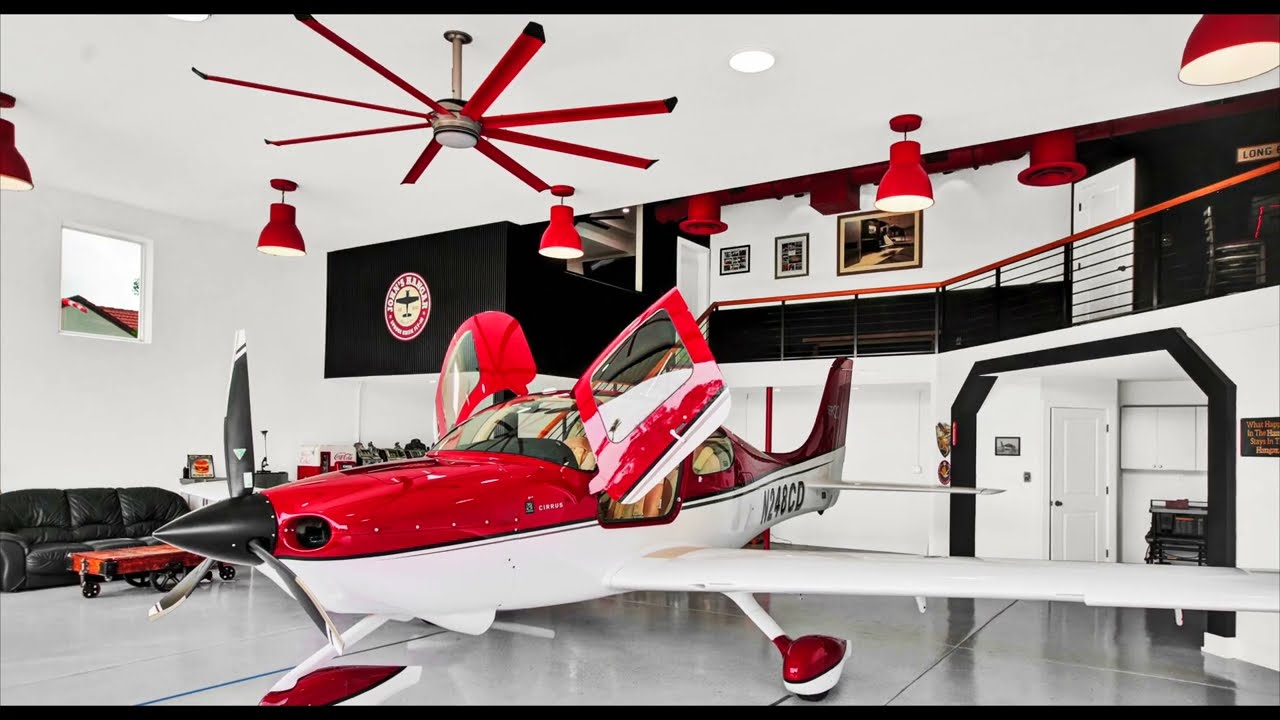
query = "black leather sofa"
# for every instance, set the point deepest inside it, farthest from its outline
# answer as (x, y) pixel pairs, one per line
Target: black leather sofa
(39, 528)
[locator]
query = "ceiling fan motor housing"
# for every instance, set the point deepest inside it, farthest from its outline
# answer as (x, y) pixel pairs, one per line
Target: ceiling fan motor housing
(457, 130)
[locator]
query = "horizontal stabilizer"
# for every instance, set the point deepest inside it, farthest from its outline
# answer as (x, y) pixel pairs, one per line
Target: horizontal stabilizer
(904, 487)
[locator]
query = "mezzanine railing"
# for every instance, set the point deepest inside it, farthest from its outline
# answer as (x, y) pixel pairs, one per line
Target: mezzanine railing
(1220, 239)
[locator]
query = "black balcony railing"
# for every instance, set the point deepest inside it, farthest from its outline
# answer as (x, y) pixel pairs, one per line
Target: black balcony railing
(1221, 239)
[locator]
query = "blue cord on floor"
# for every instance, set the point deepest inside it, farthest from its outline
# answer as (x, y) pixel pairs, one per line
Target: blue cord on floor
(211, 687)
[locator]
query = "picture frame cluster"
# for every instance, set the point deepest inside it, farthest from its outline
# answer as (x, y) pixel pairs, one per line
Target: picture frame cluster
(866, 242)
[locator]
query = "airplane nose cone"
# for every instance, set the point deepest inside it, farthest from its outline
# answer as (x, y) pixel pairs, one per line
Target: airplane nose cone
(222, 531)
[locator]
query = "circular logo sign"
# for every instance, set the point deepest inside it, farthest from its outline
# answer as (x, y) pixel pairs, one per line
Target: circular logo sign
(407, 307)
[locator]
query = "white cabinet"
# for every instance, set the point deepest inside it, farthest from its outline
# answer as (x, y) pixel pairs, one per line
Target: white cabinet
(1202, 439)
(1138, 438)
(1160, 438)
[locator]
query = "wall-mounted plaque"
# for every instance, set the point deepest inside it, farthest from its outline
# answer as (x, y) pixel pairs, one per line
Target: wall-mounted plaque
(200, 466)
(1260, 437)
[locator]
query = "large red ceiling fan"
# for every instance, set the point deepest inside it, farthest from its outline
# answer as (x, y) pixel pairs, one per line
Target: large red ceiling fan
(459, 123)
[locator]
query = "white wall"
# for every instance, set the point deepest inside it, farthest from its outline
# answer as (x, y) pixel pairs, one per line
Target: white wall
(80, 412)
(890, 437)
(980, 216)
(1011, 524)
(1161, 392)
(1241, 334)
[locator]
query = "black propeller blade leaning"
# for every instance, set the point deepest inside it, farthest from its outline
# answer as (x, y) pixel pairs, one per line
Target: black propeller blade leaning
(300, 592)
(174, 597)
(237, 425)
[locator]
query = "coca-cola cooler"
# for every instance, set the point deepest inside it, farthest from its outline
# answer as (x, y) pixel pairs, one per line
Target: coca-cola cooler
(317, 459)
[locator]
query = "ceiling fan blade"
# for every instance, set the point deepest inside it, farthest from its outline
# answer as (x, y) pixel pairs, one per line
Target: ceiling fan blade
(428, 154)
(309, 95)
(518, 55)
(353, 133)
(374, 65)
(592, 221)
(568, 147)
(597, 112)
(510, 165)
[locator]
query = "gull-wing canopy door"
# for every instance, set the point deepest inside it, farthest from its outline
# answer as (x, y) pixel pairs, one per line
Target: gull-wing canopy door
(488, 354)
(653, 395)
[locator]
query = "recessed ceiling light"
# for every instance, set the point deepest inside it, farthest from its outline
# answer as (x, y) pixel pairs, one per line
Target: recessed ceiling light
(626, 210)
(190, 18)
(751, 61)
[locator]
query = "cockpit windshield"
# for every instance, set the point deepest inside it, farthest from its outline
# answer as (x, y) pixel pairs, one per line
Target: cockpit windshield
(547, 428)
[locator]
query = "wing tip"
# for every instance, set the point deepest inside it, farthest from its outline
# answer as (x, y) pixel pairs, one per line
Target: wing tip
(650, 164)
(199, 74)
(671, 103)
(301, 17)
(534, 30)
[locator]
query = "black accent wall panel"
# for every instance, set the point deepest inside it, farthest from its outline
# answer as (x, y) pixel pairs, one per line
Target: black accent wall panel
(568, 319)
(465, 271)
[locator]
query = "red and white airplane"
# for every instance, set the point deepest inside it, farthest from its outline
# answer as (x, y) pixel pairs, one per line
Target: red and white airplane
(626, 482)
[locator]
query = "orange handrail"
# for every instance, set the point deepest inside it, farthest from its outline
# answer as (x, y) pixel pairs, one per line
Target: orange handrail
(1132, 217)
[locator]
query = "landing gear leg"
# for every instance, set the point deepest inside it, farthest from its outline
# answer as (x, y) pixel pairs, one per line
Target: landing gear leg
(811, 665)
(353, 635)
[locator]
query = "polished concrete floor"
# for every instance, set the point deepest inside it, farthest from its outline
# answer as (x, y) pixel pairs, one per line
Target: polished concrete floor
(230, 641)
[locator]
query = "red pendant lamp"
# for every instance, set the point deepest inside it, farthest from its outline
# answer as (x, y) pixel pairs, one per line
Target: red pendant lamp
(905, 186)
(561, 240)
(14, 173)
(1229, 48)
(281, 236)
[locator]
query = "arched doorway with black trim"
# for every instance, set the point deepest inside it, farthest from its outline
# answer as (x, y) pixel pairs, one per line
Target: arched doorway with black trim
(1219, 391)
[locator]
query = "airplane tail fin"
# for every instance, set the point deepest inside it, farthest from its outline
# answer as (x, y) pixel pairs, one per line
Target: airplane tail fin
(829, 429)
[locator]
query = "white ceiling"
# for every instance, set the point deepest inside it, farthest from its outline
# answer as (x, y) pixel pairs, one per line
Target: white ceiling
(1140, 366)
(109, 107)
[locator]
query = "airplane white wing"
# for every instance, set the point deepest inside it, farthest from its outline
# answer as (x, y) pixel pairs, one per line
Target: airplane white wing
(904, 487)
(701, 569)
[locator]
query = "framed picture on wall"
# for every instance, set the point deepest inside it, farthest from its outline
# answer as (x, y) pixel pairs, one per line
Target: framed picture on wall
(791, 256)
(735, 260)
(200, 466)
(1008, 446)
(878, 241)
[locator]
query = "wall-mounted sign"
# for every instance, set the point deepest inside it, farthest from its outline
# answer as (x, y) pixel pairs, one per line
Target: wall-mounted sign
(1254, 153)
(1260, 437)
(407, 306)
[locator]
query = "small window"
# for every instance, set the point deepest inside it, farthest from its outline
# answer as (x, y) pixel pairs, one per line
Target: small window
(714, 455)
(103, 286)
(655, 505)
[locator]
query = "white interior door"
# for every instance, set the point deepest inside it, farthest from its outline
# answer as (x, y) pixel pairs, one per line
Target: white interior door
(1102, 265)
(693, 270)
(1078, 485)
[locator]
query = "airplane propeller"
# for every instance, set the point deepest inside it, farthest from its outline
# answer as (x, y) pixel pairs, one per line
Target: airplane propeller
(302, 594)
(240, 528)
